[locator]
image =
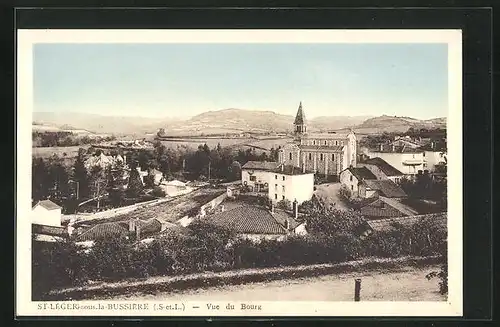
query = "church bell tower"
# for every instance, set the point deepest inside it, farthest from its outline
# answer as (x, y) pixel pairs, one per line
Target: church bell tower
(300, 126)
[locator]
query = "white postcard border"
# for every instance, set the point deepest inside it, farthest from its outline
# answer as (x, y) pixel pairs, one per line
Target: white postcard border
(27, 38)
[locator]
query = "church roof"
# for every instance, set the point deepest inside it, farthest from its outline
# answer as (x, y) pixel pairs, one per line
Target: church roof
(300, 118)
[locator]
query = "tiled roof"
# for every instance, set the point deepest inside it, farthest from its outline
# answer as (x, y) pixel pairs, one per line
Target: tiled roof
(260, 165)
(49, 230)
(436, 220)
(379, 209)
(386, 187)
(300, 118)
(102, 231)
(361, 173)
(282, 216)
(47, 204)
(291, 170)
(248, 220)
(333, 136)
(333, 148)
(384, 166)
(395, 203)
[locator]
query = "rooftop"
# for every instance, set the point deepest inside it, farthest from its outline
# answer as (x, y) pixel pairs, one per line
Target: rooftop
(47, 204)
(260, 165)
(300, 118)
(378, 209)
(384, 166)
(335, 148)
(326, 136)
(386, 187)
(389, 148)
(248, 220)
(49, 230)
(438, 220)
(361, 173)
(291, 170)
(102, 231)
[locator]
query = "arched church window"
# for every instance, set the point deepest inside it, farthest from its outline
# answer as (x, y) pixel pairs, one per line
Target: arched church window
(310, 156)
(290, 156)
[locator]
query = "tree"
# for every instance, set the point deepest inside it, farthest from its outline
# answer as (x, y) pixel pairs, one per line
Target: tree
(40, 179)
(80, 176)
(98, 184)
(135, 187)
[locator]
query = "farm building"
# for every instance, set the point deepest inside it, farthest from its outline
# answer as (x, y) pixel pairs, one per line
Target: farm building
(46, 213)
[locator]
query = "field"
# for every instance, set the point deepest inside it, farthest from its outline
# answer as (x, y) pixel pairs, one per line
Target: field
(404, 284)
(61, 151)
(226, 142)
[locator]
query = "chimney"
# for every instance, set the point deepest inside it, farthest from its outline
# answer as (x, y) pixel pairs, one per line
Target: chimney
(381, 147)
(283, 167)
(137, 231)
(295, 209)
(303, 168)
(70, 229)
(272, 207)
(287, 224)
(393, 148)
(222, 208)
(131, 225)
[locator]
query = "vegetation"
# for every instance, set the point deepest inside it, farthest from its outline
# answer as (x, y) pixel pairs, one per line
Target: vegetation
(333, 238)
(53, 139)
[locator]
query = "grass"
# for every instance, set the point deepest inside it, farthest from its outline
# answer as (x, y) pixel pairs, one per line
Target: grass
(69, 152)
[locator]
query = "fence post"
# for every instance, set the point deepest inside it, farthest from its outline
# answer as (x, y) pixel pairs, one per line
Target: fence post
(357, 289)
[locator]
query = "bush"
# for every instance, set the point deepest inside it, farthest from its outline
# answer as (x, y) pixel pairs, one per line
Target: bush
(158, 192)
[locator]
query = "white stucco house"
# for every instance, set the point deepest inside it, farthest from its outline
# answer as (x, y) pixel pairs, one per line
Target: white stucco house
(46, 213)
(406, 159)
(255, 174)
(290, 183)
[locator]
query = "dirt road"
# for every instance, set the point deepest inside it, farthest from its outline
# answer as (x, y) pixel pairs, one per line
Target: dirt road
(407, 284)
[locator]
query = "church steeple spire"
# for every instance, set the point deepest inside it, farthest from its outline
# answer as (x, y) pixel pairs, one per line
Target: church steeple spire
(300, 121)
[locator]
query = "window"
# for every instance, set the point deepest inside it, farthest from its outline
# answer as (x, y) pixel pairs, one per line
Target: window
(275, 176)
(283, 177)
(314, 142)
(352, 188)
(333, 156)
(290, 156)
(336, 142)
(283, 198)
(423, 154)
(325, 142)
(283, 188)
(276, 196)
(321, 156)
(276, 187)
(350, 178)
(310, 156)
(253, 178)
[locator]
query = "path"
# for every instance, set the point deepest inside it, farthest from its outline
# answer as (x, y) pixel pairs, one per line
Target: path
(408, 284)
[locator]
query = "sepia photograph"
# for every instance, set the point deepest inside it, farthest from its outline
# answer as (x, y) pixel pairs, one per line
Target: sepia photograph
(239, 172)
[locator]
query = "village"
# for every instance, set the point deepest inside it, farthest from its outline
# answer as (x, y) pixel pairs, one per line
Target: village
(314, 182)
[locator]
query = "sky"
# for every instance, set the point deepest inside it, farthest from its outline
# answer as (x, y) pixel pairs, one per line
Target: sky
(183, 80)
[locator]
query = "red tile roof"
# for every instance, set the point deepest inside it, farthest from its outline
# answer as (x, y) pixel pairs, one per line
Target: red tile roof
(291, 170)
(47, 204)
(384, 166)
(378, 209)
(102, 231)
(248, 220)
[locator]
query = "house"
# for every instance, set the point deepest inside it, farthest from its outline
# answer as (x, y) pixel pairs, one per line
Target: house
(382, 169)
(436, 221)
(325, 154)
(406, 141)
(232, 191)
(406, 159)
(46, 213)
(101, 232)
(291, 183)
(386, 188)
(43, 233)
(352, 178)
(433, 159)
(175, 188)
(382, 207)
(255, 223)
(255, 174)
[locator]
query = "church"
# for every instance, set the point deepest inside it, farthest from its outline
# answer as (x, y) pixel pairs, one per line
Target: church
(326, 154)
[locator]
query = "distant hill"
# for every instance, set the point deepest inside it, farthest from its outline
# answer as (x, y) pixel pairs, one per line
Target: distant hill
(386, 123)
(225, 121)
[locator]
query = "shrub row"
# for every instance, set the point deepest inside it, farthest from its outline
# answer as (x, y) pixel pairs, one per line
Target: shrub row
(208, 248)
